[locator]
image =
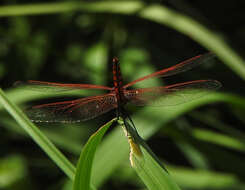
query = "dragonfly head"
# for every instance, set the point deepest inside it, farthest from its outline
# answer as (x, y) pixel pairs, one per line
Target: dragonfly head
(115, 60)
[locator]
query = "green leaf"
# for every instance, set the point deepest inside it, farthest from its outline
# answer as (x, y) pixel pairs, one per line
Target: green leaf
(155, 12)
(61, 139)
(146, 125)
(217, 123)
(146, 164)
(38, 136)
(108, 152)
(193, 154)
(151, 173)
(148, 122)
(219, 139)
(84, 166)
(203, 179)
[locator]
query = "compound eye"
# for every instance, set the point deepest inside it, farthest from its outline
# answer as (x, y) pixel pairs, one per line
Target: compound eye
(115, 60)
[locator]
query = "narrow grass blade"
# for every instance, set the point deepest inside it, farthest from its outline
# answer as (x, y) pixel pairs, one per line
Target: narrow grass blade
(193, 154)
(219, 139)
(113, 142)
(148, 122)
(148, 167)
(204, 179)
(48, 147)
(217, 123)
(151, 173)
(84, 166)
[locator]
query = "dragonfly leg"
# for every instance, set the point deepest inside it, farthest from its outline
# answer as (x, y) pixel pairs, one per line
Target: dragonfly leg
(125, 116)
(119, 112)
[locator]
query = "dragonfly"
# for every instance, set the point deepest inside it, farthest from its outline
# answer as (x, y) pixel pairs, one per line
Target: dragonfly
(120, 94)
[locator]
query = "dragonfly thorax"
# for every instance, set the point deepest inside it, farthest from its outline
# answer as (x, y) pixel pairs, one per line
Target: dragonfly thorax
(117, 77)
(117, 82)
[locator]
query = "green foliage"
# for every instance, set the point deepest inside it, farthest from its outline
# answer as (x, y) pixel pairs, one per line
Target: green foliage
(84, 166)
(37, 136)
(12, 170)
(71, 41)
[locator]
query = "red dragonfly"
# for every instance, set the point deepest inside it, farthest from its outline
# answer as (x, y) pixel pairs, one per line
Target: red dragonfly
(119, 95)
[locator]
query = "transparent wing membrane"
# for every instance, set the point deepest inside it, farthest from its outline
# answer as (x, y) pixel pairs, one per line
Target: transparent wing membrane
(73, 111)
(171, 95)
(176, 69)
(57, 87)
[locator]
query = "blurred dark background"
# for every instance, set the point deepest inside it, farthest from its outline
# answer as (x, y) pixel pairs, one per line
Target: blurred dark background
(77, 47)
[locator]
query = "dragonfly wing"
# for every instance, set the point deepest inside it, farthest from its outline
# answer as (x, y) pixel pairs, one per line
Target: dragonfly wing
(179, 68)
(56, 87)
(73, 111)
(172, 94)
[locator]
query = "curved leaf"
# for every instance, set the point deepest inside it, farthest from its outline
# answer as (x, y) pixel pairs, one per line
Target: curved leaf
(84, 166)
(38, 136)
